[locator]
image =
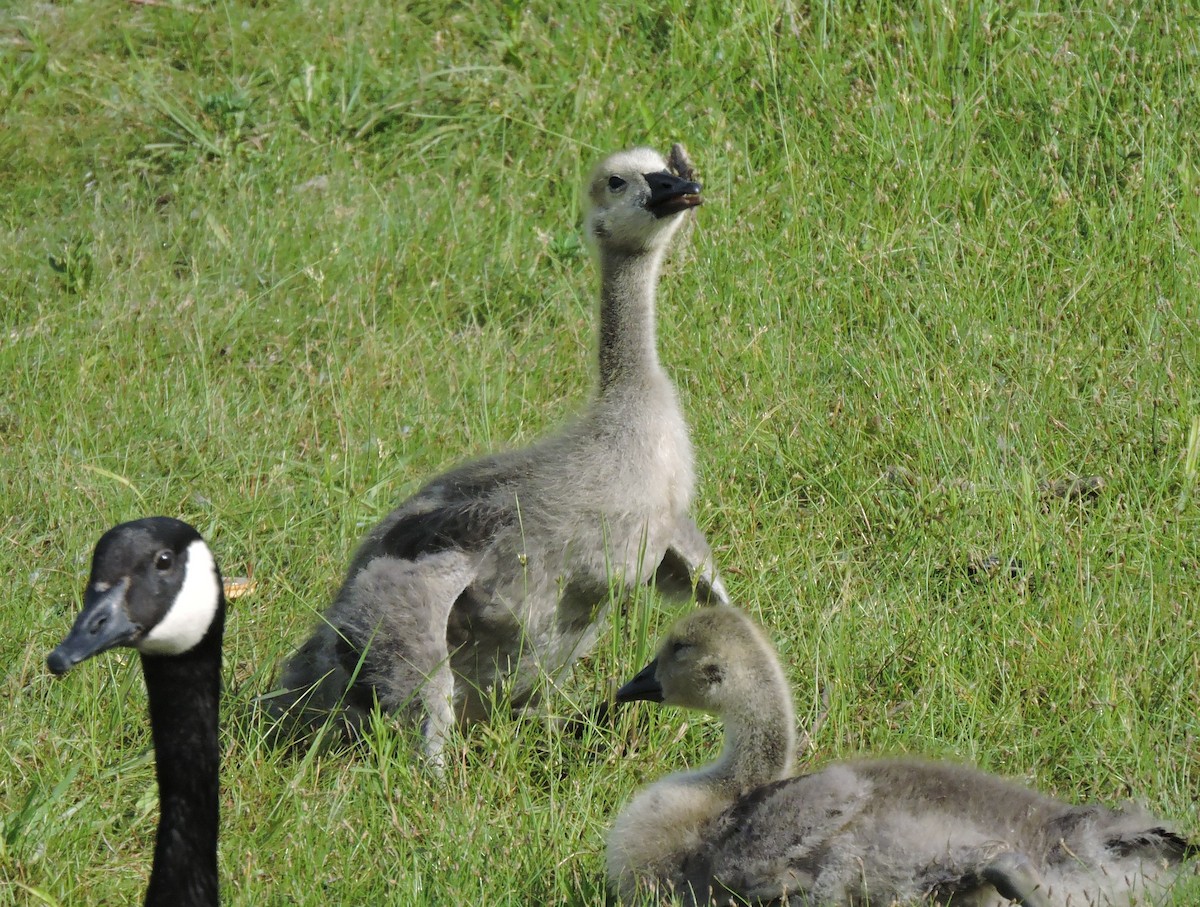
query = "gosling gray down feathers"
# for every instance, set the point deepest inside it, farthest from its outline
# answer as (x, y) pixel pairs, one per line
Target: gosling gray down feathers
(499, 571)
(885, 831)
(155, 587)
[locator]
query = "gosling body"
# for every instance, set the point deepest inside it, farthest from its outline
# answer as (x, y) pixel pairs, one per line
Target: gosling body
(499, 572)
(877, 831)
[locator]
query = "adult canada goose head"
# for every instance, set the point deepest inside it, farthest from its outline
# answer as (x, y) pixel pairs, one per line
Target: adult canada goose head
(636, 202)
(154, 587)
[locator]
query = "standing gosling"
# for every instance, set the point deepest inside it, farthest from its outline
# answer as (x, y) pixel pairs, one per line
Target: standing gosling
(155, 587)
(884, 831)
(499, 571)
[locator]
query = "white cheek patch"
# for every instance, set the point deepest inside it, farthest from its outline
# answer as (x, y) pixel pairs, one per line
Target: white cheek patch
(192, 612)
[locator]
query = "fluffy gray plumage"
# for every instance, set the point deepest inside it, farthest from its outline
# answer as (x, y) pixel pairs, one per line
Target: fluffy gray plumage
(499, 572)
(884, 831)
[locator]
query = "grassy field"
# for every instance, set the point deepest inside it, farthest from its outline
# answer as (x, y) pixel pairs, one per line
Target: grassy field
(265, 266)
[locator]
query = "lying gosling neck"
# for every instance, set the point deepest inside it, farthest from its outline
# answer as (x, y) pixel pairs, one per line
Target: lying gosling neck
(760, 734)
(717, 661)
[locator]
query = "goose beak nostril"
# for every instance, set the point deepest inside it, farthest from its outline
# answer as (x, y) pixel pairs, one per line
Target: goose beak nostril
(102, 625)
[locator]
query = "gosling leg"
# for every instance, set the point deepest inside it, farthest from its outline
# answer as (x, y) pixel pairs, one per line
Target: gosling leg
(1014, 877)
(394, 618)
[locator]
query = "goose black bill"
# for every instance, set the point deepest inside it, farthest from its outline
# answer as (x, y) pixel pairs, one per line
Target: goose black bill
(644, 686)
(101, 625)
(669, 194)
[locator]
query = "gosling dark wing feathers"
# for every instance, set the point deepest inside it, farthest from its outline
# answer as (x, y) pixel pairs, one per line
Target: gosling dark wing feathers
(686, 572)
(465, 525)
(1154, 843)
(455, 511)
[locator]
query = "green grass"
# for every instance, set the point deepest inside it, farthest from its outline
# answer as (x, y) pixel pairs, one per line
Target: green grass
(268, 265)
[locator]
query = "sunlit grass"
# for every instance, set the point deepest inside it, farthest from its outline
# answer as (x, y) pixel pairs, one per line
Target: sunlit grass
(269, 265)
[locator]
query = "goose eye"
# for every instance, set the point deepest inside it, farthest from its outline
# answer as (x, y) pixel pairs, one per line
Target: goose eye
(678, 647)
(164, 560)
(615, 183)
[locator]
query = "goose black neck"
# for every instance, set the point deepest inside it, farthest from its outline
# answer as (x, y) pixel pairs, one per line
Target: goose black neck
(627, 335)
(184, 693)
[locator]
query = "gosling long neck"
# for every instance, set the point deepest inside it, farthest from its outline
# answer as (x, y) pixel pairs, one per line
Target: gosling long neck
(760, 736)
(628, 353)
(184, 695)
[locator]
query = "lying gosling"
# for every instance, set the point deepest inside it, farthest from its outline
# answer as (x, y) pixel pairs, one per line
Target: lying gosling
(880, 831)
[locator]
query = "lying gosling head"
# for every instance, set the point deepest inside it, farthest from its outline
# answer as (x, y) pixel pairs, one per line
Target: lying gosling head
(635, 202)
(714, 660)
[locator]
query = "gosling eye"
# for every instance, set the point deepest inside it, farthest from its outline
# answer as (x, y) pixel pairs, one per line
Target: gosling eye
(164, 560)
(678, 647)
(615, 183)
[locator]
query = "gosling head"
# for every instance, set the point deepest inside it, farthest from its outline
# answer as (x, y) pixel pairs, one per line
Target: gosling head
(154, 587)
(635, 201)
(714, 660)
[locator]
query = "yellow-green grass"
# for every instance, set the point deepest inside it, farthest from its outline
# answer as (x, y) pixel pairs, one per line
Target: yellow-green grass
(267, 265)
